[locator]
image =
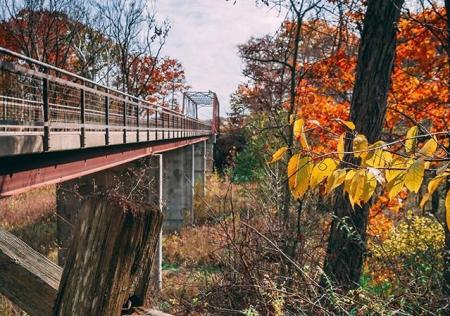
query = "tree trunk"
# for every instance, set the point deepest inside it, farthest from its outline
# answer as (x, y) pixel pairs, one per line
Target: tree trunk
(347, 240)
(446, 250)
(114, 241)
(293, 83)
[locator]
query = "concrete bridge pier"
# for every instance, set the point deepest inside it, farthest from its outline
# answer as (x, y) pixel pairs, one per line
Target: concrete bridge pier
(184, 172)
(199, 168)
(209, 153)
(178, 179)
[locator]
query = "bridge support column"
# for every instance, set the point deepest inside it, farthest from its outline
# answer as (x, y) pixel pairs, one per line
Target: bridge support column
(209, 154)
(199, 168)
(178, 187)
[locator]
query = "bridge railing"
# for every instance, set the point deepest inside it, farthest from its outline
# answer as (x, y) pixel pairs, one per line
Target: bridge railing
(65, 111)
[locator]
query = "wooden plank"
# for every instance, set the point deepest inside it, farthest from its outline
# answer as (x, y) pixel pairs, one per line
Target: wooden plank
(27, 278)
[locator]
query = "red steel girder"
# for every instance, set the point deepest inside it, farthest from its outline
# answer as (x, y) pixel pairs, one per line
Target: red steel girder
(22, 180)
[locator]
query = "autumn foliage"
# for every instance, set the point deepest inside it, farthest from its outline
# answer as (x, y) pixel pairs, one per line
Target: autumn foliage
(61, 40)
(418, 102)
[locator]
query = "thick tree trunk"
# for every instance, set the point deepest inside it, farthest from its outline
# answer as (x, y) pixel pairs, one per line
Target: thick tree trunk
(446, 250)
(347, 240)
(446, 257)
(113, 243)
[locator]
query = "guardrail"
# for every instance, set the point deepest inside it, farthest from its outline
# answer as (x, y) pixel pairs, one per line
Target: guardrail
(37, 99)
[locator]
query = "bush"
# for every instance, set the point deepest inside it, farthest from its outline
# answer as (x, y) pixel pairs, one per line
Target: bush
(411, 255)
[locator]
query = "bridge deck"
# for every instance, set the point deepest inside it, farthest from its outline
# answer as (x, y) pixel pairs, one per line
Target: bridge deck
(56, 125)
(43, 108)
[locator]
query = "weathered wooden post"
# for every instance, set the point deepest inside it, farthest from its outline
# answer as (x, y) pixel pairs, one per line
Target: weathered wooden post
(31, 281)
(139, 184)
(114, 242)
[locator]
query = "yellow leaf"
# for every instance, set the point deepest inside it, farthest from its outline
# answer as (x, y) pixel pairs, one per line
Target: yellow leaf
(341, 147)
(377, 157)
(335, 180)
(299, 133)
(369, 187)
(298, 128)
(322, 170)
(349, 124)
(395, 184)
(348, 180)
(414, 175)
(305, 166)
(292, 170)
(303, 141)
(278, 154)
(357, 187)
(432, 186)
(429, 148)
(411, 141)
(425, 199)
(398, 165)
(435, 182)
(447, 209)
(395, 176)
(360, 146)
(387, 157)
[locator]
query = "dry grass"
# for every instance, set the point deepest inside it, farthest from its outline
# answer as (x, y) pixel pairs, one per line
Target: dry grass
(233, 263)
(31, 217)
(27, 208)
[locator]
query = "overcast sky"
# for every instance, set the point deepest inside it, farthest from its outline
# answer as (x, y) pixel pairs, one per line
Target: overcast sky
(205, 35)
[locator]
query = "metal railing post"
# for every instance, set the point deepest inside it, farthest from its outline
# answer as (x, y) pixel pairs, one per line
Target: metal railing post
(148, 124)
(83, 119)
(4, 112)
(162, 127)
(106, 120)
(124, 122)
(156, 123)
(137, 122)
(45, 105)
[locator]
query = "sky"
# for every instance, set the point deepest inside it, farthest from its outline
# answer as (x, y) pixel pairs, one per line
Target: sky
(204, 36)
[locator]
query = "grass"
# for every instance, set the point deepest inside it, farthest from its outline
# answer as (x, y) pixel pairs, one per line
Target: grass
(30, 216)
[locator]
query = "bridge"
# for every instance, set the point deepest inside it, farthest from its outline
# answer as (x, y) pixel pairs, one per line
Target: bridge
(59, 128)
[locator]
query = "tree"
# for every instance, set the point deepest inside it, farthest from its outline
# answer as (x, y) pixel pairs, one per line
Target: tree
(446, 252)
(347, 240)
(156, 80)
(136, 34)
(117, 43)
(41, 30)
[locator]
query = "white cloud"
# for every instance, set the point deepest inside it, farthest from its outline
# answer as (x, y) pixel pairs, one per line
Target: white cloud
(205, 35)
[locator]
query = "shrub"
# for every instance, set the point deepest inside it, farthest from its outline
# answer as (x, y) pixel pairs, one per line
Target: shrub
(411, 255)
